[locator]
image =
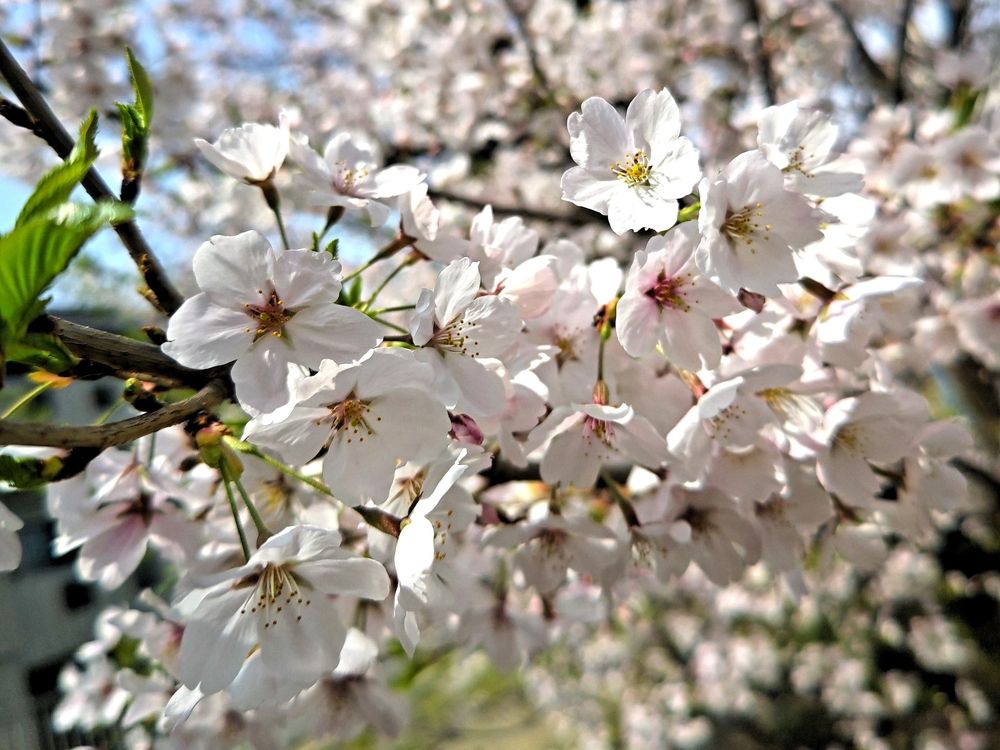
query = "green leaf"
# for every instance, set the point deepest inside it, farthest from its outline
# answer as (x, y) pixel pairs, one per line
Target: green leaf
(143, 92)
(136, 120)
(36, 252)
(58, 183)
(22, 472)
(41, 350)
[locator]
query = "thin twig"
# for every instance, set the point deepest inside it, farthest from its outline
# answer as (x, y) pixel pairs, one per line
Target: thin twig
(125, 358)
(872, 68)
(577, 218)
(116, 433)
(47, 126)
(520, 21)
(899, 90)
(763, 54)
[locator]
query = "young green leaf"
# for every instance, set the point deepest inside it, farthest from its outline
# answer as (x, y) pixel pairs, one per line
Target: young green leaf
(59, 182)
(143, 92)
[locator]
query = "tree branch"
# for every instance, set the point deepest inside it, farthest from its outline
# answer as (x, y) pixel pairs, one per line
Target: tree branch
(577, 218)
(117, 433)
(872, 68)
(518, 14)
(899, 90)
(958, 12)
(126, 358)
(47, 126)
(764, 67)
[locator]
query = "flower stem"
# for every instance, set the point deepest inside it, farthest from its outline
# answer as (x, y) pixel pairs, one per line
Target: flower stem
(395, 308)
(273, 201)
(384, 322)
(236, 513)
(26, 399)
(391, 249)
(385, 282)
(243, 447)
(262, 531)
(689, 213)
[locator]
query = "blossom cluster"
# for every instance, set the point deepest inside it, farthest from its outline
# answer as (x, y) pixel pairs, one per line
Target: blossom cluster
(481, 438)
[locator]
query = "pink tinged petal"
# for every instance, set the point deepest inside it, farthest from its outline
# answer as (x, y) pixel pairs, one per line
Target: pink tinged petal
(213, 649)
(111, 557)
(330, 331)
(573, 459)
(302, 543)
(222, 162)
(677, 171)
(203, 334)
(584, 189)
(307, 645)
(639, 208)
(297, 438)
(261, 376)
(846, 474)
(234, 268)
(443, 385)
(690, 340)
(422, 322)
(302, 278)
(396, 180)
(352, 576)
(414, 425)
(481, 389)
(640, 442)
(404, 623)
(532, 285)
(655, 117)
(256, 685)
(387, 370)
(455, 472)
(456, 287)
(637, 323)
(359, 470)
(378, 212)
(413, 560)
(597, 136)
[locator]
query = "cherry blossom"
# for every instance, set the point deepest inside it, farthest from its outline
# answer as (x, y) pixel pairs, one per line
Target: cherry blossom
(280, 602)
(632, 169)
(667, 303)
(366, 416)
(751, 226)
(252, 152)
(265, 311)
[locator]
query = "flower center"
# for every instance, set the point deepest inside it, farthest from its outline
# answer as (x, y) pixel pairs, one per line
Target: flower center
(350, 417)
(602, 429)
(743, 226)
(666, 292)
(275, 592)
(271, 316)
(347, 178)
(566, 349)
(453, 338)
(634, 169)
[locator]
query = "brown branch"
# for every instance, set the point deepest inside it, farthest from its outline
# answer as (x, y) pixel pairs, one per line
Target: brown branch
(872, 68)
(958, 14)
(117, 433)
(47, 126)
(577, 218)
(899, 89)
(127, 358)
(518, 14)
(764, 66)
